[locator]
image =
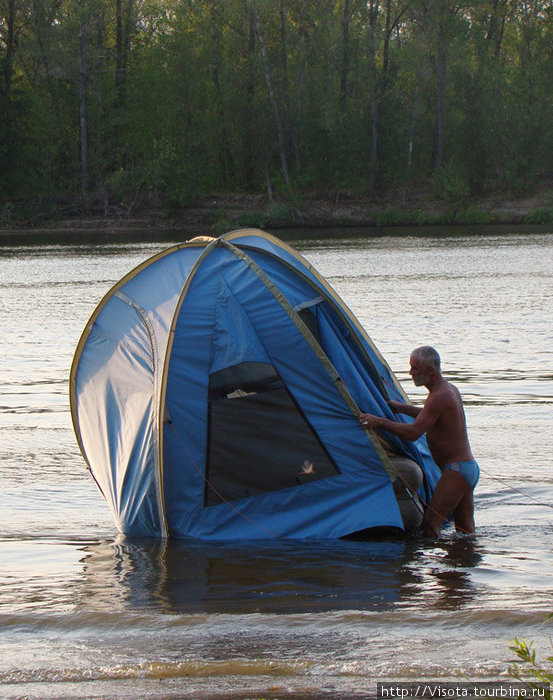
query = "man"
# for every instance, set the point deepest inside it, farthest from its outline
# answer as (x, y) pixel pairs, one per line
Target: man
(442, 418)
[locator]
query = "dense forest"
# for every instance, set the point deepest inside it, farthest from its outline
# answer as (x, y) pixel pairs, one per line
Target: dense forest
(120, 102)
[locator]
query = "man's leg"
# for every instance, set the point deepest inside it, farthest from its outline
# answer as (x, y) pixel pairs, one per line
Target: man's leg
(451, 490)
(464, 514)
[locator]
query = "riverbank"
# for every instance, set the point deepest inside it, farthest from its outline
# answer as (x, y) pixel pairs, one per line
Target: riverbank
(398, 208)
(220, 212)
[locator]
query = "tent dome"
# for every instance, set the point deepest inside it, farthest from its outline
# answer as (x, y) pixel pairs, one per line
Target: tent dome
(215, 394)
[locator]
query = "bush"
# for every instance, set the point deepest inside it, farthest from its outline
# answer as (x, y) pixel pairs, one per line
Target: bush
(540, 216)
(452, 184)
(471, 215)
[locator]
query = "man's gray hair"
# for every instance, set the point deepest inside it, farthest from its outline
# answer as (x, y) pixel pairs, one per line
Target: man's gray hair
(428, 356)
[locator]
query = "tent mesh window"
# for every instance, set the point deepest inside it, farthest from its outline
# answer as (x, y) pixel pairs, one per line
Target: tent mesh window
(249, 412)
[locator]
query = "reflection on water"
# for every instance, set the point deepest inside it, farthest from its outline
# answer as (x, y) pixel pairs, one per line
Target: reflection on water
(450, 576)
(185, 577)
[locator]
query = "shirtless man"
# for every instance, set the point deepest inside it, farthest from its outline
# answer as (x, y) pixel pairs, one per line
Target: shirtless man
(442, 418)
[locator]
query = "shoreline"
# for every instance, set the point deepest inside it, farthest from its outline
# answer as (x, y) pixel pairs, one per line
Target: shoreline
(218, 213)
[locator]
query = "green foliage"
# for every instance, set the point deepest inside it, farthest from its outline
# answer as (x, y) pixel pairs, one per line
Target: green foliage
(121, 188)
(542, 215)
(253, 219)
(399, 217)
(7, 215)
(530, 672)
(452, 184)
(221, 221)
(203, 96)
(472, 216)
(280, 215)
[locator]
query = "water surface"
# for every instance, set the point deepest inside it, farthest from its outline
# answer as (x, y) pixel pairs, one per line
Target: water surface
(85, 613)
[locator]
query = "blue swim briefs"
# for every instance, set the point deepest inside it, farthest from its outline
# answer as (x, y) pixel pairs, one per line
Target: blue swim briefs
(470, 470)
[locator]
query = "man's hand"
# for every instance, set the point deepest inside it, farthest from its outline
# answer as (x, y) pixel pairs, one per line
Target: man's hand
(396, 406)
(367, 420)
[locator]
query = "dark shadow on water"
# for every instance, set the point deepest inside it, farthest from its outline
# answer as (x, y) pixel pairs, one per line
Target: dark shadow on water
(190, 577)
(89, 237)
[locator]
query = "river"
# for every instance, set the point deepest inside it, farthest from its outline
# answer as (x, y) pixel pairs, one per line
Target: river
(87, 614)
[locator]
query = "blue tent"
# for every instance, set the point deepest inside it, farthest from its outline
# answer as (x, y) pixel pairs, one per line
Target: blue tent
(215, 394)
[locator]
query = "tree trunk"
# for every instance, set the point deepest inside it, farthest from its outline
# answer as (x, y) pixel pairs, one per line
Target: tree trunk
(412, 127)
(297, 121)
(440, 87)
(344, 69)
(82, 108)
(123, 27)
(389, 27)
(248, 135)
(274, 104)
(10, 48)
(373, 158)
(305, 46)
(387, 34)
(285, 92)
(225, 156)
(496, 25)
(42, 41)
(119, 75)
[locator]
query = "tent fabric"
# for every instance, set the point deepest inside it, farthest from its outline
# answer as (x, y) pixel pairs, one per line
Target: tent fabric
(215, 394)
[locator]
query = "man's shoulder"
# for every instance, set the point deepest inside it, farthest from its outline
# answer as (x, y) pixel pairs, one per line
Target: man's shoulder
(447, 395)
(443, 393)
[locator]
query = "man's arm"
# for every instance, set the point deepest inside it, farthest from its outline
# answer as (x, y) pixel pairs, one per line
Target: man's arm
(426, 417)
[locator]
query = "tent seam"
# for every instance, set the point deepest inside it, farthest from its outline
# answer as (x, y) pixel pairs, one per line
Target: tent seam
(155, 407)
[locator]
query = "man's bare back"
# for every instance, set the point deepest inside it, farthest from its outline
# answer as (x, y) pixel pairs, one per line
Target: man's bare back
(447, 438)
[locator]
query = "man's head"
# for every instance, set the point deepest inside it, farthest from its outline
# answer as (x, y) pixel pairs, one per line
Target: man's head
(425, 364)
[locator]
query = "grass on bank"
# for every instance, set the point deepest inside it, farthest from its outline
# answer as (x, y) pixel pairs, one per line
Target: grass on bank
(282, 216)
(529, 671)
